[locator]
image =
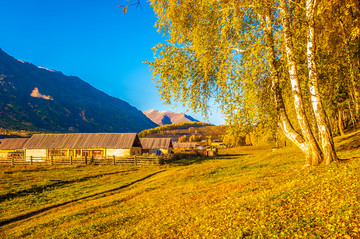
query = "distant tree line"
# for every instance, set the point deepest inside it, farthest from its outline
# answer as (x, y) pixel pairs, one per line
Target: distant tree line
(23, 133)
(172, 127)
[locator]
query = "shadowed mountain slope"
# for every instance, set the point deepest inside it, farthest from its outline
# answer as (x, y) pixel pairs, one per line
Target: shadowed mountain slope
(39, 99)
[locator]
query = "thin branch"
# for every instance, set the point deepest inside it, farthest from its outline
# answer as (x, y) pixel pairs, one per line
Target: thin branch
(137, 4)
(130, 4)
(295, 3)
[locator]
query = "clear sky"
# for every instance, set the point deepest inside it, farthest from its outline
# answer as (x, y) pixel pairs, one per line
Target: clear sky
(91, 39)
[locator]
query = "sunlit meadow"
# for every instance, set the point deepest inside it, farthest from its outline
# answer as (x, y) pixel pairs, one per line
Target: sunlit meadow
(255, 192)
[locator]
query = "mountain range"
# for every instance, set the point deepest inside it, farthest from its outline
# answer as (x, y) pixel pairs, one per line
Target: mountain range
(39, 99)
(168, 117)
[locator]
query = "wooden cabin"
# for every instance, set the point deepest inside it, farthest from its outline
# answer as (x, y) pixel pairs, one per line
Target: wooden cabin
(185, 146)
(12, 148)
(158, 146)
(189, 148)
(97, 145)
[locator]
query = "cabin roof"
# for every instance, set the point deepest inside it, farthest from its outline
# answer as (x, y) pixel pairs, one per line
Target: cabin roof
(156, 143)
(83, 140)
(184, 145)
(13, 143)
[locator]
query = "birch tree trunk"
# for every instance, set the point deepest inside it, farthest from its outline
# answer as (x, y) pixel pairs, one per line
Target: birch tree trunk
(352, 118)
(316, 155)
(283, 119)
(354, 84)
(340, 123)
(326, 139)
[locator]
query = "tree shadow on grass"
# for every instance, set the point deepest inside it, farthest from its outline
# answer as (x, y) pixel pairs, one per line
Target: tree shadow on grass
(34, 213)
(347, 160)
(230, 156)
(52, 186)
(350, 142)
(352, 145)
(197, 159)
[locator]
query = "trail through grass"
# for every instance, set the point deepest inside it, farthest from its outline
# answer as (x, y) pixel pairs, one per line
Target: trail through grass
(250, 192)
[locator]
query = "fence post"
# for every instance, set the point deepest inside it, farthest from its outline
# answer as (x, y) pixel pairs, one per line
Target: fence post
(12, 161)
(92, 159)
(52, 160)
(71, 162)
(31, 160)
(85, 160)
(136, 163)
(114, 159)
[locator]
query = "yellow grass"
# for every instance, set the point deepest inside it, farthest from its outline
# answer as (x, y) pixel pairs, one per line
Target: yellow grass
(253, 192)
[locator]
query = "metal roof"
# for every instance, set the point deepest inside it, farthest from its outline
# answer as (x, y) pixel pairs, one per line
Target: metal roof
(156, 143)
(13, 143)
(184, 145)
(83, 141)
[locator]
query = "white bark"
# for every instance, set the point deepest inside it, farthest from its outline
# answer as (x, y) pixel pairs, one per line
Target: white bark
(326, 139)
(284, 121)
(295, 85)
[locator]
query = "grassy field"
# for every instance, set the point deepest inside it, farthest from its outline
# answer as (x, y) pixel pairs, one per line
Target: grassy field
(253, 192)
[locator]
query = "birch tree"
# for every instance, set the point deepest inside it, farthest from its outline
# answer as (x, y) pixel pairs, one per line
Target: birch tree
(320, 115)
(316, 156)
(267, 25)
(226, 50)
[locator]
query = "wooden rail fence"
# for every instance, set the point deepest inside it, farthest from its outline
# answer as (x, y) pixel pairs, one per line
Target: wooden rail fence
(135, 160)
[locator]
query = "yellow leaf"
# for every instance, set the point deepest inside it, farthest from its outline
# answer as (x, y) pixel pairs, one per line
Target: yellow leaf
(124, 10)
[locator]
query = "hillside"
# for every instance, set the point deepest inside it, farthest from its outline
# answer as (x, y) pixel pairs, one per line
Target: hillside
(38, 99)
(175, 131)
(252, 192)
(168, 117)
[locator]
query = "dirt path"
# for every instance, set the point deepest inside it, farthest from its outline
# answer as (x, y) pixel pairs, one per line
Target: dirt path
(37, 212)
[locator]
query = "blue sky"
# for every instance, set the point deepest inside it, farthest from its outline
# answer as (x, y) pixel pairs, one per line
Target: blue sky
(91, 39)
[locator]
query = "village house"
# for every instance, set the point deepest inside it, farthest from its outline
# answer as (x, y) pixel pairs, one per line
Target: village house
(158, 146)
(96, 145)
(12, 148)
(185, 145)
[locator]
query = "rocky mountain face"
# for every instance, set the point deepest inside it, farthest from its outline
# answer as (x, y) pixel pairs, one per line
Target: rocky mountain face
(38, 99)
(168, 117)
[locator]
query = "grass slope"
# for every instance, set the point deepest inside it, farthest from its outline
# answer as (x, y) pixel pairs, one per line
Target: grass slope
(245, 192)
(215, 132)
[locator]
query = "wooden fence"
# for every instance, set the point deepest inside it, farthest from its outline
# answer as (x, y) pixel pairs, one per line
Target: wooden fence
(135, 160)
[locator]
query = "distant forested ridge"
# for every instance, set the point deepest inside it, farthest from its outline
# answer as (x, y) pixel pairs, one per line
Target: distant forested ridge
(172, 127)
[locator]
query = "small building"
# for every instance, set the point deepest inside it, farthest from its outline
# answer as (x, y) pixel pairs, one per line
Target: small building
(158, 146)
(218, 144)
(12, 148)
(185, 146)
(97, 145)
